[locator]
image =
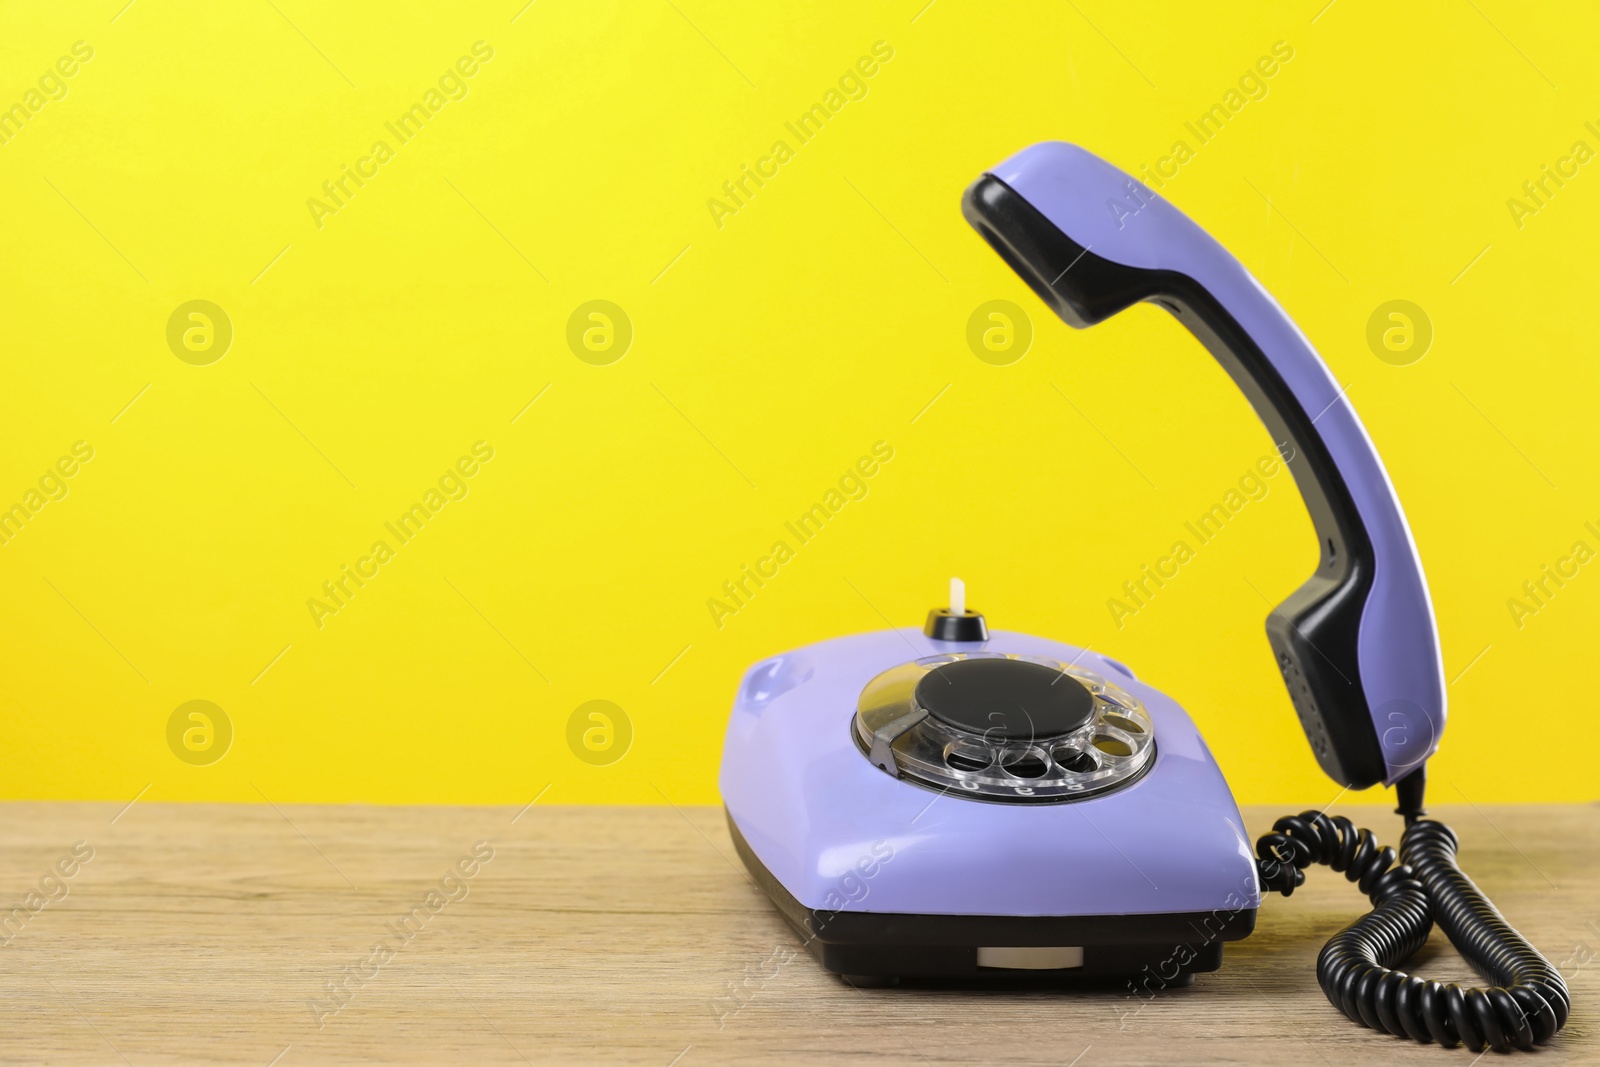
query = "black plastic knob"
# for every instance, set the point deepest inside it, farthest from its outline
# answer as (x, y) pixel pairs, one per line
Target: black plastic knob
(944, 626)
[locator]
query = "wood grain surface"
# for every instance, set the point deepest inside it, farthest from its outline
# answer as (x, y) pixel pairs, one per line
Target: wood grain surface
(210, 933)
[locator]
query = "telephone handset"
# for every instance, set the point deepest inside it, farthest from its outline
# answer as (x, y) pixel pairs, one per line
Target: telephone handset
(1357, 644)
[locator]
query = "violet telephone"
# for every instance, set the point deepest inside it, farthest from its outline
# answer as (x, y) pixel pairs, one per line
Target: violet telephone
(960, 803)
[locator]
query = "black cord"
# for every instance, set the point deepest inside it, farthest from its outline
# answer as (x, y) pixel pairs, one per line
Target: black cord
(1528, 1002)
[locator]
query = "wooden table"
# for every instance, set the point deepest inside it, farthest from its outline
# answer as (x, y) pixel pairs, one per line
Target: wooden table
(203, 933)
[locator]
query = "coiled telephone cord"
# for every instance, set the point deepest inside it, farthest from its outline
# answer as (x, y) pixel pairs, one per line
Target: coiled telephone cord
(1527, 1002)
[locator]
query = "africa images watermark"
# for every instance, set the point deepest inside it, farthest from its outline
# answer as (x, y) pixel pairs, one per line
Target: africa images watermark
(851, 887)
(752, 578)
(50, 87)
(1540, 590)
(53, 888)
(1154, 979)
(1252, 85)
(1252, 486)
(337, 192)
(1538, 191)
(452, 888)
(1581, 956)
(339, 591)
(852, 85)
(52, 485)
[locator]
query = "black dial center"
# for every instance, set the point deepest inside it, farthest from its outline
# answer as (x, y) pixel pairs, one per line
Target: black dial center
(1005, 699)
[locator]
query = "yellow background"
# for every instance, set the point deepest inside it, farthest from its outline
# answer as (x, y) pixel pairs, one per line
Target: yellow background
(821, 318)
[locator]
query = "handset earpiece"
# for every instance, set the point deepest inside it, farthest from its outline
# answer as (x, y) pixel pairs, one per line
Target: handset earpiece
(1357, 643)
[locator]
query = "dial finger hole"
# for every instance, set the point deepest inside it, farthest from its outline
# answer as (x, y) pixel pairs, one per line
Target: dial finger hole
(1025, 763)
(1075, 760)
(1123, 722)
(1112, 746)
(966, 757)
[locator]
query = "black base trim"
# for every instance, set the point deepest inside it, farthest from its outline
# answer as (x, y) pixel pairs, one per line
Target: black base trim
(1159, 949)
